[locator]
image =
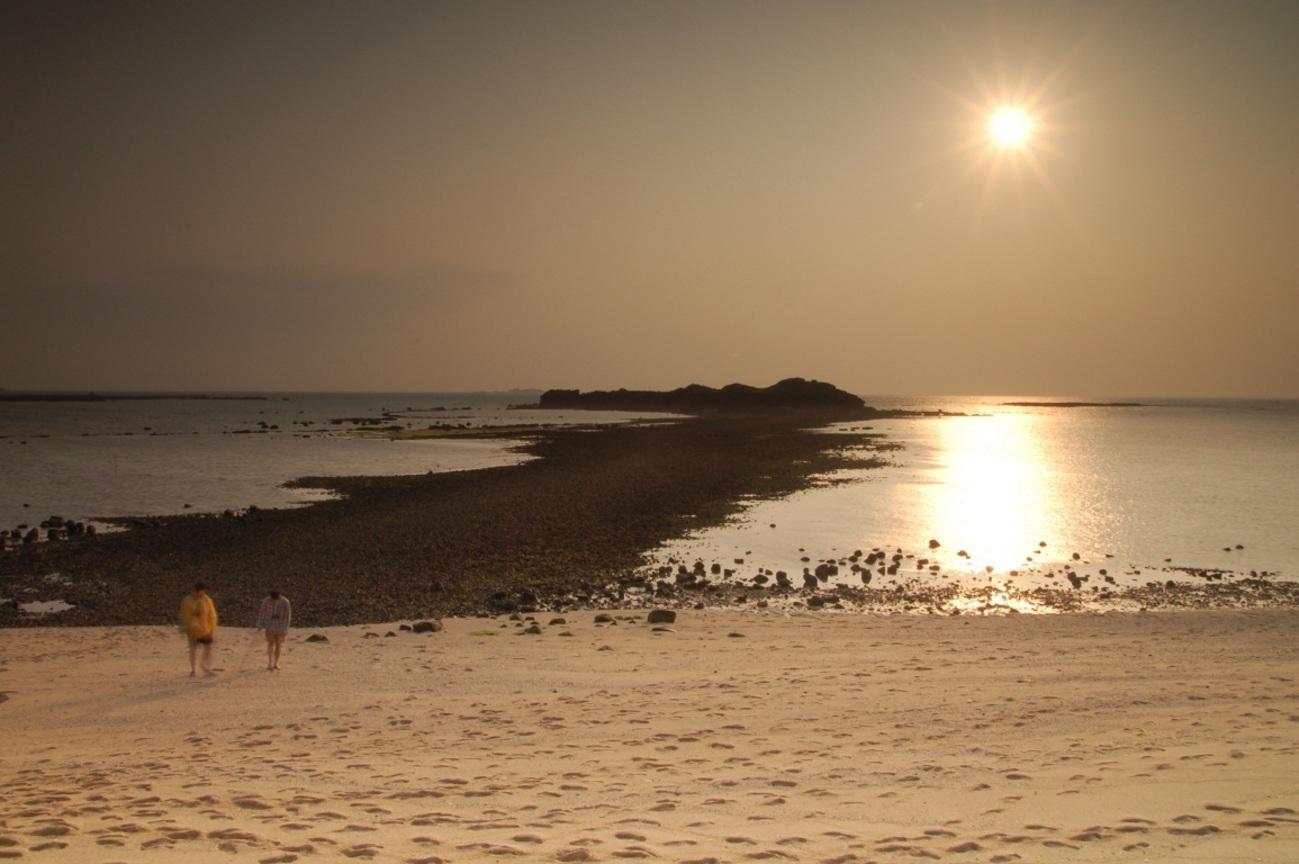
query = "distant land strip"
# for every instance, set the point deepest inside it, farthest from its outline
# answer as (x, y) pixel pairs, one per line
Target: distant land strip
(1074, 404)
(12, 396)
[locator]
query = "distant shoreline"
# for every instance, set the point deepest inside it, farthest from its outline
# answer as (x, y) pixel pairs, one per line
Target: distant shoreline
(8, 396)
(1075, 404)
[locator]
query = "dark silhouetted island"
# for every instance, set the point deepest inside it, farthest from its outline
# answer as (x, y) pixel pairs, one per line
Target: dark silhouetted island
(791, 394)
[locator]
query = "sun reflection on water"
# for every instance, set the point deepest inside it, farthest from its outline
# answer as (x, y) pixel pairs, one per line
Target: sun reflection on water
(1003, 508)
(993, 495)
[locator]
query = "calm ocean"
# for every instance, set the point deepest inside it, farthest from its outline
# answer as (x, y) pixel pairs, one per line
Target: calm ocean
(141, 457)
(1019, 490)
(1128, 493)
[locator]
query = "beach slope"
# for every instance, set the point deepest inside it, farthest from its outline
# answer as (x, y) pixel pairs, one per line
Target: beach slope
(725, 736)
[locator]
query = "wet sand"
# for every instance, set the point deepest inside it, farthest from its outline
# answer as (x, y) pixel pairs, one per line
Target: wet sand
(726, 736)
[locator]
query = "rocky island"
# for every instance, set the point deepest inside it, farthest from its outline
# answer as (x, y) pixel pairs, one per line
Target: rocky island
(791, 394)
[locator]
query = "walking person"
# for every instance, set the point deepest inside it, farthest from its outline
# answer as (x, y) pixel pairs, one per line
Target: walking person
(273, 617)
(198, 621)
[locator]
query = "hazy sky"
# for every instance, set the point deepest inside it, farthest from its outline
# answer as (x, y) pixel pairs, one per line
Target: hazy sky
(484, 195)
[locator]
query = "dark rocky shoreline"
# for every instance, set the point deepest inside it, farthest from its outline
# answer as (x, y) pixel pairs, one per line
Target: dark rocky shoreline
(563, 531)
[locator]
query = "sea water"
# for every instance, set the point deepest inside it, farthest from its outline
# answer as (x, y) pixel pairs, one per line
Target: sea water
(1006, 491)
(139, 457)
(1026, 494)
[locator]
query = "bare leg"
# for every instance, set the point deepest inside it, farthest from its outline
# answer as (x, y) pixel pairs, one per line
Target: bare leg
(193, 658)
(207, 658)
(277, 650)
(270, 650)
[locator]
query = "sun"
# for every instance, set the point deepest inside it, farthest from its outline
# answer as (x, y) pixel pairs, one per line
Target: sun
(1014, 118)
(1009, 127)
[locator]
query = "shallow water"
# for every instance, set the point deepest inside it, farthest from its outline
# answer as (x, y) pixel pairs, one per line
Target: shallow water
(149, 457)
(1116, 495)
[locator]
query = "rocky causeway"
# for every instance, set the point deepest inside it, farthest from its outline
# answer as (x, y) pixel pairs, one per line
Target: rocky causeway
(567, 529)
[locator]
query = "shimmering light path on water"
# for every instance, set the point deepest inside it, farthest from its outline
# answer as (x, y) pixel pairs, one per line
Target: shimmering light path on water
(994, 489)
(1113, 495)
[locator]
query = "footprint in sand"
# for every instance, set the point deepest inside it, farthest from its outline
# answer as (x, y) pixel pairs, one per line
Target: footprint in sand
(50, 846)
(364, 850)
(56, 828)
(252, 804)
(1202, 831)
(574, 855)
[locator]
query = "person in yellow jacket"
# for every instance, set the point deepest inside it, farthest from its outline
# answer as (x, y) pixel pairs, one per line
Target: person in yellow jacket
(198, 621)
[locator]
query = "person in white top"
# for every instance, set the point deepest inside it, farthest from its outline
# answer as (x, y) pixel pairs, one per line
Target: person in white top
(273, 618)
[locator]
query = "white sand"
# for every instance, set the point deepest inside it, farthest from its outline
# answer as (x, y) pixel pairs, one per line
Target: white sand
(817, 737)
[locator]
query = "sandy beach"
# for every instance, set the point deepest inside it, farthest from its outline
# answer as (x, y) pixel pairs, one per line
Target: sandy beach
(726, 736)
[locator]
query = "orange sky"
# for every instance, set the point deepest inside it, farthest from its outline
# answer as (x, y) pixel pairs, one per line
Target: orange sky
(482, 195)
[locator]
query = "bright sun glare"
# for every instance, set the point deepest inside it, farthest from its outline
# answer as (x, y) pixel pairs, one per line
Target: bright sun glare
(1009, 127)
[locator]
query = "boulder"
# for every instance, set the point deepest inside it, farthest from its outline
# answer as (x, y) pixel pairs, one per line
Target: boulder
(826, 570)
